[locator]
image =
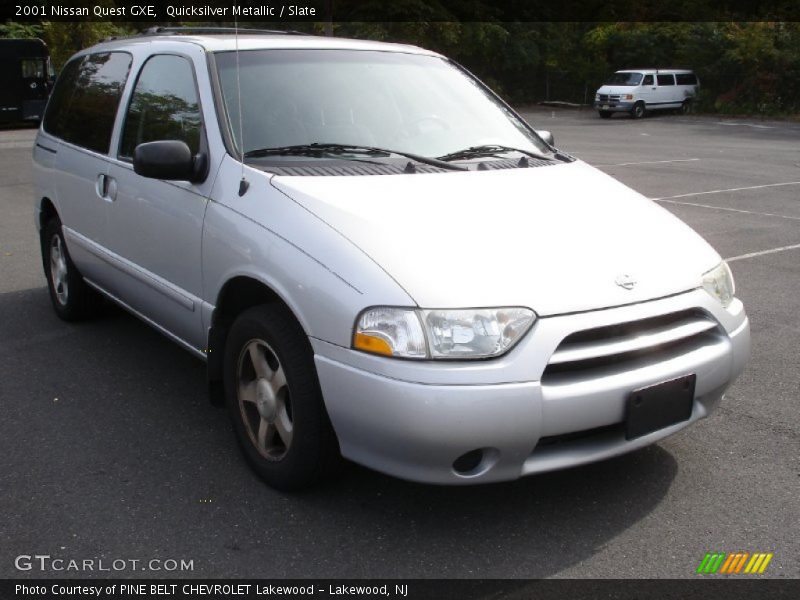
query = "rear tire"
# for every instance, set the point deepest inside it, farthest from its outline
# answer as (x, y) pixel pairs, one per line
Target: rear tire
(72, 298)
(686, 107)
(604, 114)
(274, 400)
(638, 111)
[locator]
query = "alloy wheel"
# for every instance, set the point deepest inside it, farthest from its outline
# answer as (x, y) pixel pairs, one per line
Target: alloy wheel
(59, 270)
(264, 400)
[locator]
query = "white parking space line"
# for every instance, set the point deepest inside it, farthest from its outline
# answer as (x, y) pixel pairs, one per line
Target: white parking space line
(739, 189)
(763, 252)
(649, 162)
(746, 125)
(736, 210)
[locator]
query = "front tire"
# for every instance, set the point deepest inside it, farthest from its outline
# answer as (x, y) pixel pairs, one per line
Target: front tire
(638, 110)
(274, 400)
(72, 298)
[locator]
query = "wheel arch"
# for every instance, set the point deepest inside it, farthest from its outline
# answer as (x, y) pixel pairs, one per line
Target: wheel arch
(47, 210)
(236, 295)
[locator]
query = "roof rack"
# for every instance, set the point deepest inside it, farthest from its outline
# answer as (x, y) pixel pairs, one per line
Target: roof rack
(215, 31)
(160, 30)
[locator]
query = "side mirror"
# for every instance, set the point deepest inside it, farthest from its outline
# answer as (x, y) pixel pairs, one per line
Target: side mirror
(547, 137)
(168, 159)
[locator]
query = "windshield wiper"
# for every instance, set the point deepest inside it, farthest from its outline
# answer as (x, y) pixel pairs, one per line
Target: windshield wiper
(320, 149)
(490, 150)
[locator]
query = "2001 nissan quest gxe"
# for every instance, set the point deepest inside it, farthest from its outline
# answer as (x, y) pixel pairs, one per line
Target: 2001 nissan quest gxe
(377, 258)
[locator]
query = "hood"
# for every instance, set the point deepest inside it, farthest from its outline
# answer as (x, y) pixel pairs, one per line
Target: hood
(553, 238)
(617, 89)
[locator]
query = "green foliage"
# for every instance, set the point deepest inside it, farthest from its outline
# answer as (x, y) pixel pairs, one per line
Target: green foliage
(12, 29)
(64, 39)
(750, 67)
(743, 67)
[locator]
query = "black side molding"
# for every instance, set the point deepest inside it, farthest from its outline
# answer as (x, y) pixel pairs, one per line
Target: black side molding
(53, 150)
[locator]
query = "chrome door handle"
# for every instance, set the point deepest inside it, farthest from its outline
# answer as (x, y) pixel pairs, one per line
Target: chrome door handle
(106, 187)
(100, 186)
(111, 188)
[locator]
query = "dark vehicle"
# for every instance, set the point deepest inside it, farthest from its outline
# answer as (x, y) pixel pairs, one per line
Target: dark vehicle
(26, 77)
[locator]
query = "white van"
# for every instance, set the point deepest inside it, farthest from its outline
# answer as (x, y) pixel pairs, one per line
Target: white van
(636, 91)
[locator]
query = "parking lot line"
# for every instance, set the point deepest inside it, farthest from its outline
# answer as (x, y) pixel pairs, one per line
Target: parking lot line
(739, 189)
(763, 252)
(649, 162)
(746, 125)
(736, 210)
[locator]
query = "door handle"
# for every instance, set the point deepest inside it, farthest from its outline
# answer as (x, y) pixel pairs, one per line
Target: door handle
(111, 188)
(100, 186)
(106, 187)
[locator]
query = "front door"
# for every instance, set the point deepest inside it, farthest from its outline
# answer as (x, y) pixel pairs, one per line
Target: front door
(155, 226)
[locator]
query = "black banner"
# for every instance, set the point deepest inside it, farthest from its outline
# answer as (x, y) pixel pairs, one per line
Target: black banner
(276, 11)
(415, 589)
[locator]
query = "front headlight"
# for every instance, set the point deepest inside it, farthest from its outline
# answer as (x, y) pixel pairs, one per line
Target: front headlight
(453, 334)
(597, 96)
(719, 283)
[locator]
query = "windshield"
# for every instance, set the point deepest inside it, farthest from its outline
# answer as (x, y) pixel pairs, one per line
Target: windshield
(624, 79)
(403, 102)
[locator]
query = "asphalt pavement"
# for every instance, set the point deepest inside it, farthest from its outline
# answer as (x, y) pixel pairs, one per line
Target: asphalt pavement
(110, 450)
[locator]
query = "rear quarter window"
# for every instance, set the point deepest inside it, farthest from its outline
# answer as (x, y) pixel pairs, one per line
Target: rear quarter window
(686, 79)
(84, 102)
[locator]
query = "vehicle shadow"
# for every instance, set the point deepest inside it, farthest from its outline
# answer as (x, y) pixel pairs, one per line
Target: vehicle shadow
(111, 448)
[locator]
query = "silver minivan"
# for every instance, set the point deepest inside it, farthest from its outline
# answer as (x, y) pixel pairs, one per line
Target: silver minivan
(376, 257)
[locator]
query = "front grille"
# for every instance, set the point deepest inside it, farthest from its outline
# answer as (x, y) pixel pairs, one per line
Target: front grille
(603, 97)
(622, 346)
(606, 97)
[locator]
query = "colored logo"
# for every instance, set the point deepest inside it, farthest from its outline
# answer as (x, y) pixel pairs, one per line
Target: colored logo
(734, 563)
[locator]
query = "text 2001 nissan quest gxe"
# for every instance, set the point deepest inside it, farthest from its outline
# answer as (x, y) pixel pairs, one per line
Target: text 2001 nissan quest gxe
(400, 270)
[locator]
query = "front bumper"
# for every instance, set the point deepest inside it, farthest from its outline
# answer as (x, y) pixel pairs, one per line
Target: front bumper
(414, 419)
(613, 106)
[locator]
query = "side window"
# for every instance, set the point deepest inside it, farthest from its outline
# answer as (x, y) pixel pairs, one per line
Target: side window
(665, 79)
(84, 102)
(686, 79)
(648, 80)
(57, 110)
(32, 68)
(164, 106)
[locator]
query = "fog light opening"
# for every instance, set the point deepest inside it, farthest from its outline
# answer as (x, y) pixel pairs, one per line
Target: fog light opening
(475, 462)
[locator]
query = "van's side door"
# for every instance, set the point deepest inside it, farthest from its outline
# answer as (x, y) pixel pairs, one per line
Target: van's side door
(81, 115)
(647, 89)
(667, 91)
(155, 226)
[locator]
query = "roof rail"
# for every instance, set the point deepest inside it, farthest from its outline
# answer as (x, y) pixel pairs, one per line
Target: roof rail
(215, 31)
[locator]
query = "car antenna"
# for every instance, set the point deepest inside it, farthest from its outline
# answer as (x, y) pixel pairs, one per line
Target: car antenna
(243, 183)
